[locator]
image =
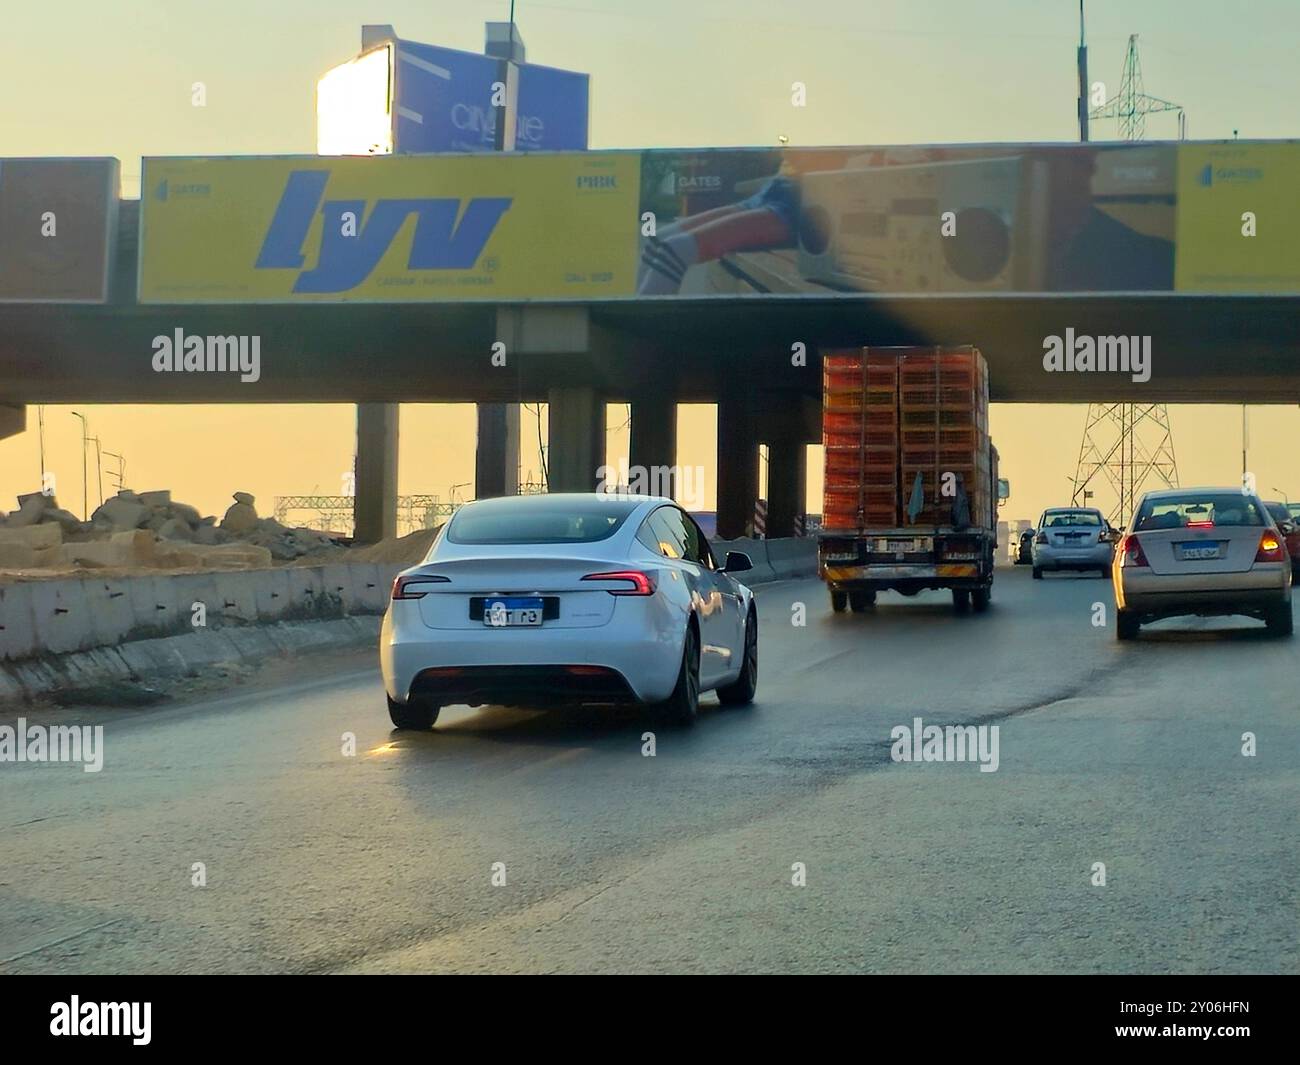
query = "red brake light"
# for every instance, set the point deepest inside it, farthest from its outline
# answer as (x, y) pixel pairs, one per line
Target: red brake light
(1270, 548)
(1200, 525)
(407, 587)
(642, 583)
(1131, 553)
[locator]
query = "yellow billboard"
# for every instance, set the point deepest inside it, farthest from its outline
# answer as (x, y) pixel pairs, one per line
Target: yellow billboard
(1238, 229)
(388, 229)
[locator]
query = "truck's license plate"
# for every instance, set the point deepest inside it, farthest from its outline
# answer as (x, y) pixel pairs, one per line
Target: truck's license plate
(509, 611)
(902, 545)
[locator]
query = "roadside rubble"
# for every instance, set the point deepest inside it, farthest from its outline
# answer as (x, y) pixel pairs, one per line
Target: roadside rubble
(148, 530)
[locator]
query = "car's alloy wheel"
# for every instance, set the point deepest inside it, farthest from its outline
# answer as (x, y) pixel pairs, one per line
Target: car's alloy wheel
(683, 706)
(741, 691)
(1126, 625)
(1279, 620)
(416, 713)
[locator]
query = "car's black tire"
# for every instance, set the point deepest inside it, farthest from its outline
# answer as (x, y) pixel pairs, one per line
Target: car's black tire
(1279, 620)
(683, 706)
(860, 601)
(839, 601)
(960, 599)
(1126, 625)
(979, 598)
(1038, 573)
(416, 714)
(740, 692)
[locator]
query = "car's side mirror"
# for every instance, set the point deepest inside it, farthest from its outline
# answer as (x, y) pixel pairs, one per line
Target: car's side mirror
(1004, 489)
(737, 562)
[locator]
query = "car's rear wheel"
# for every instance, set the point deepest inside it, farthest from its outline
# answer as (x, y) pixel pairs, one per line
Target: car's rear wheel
(839, 601)
(979, 599)
(1038, 573)
(740, 692)
(859, 601)
(416, 713)
(1126, 625)
(1279, 621)
(683, 706)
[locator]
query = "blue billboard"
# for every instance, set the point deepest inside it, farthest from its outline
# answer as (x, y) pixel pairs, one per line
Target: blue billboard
(442, 102)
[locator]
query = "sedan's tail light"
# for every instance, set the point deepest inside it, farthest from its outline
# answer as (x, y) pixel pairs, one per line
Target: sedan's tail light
(1271, 548)
(412, 586)
(641, 583)
(1041, 538)
(1131, 553)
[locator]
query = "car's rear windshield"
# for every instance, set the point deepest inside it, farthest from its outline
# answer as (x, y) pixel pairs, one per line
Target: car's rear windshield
(1056, 518)
(1198, 510)
(530, 520)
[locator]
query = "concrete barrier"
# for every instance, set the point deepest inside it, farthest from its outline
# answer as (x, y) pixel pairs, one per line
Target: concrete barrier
(794, 557)
(39, 619)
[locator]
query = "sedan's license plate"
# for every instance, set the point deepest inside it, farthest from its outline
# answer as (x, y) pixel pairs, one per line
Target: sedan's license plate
(1195, 553)
(510, 611)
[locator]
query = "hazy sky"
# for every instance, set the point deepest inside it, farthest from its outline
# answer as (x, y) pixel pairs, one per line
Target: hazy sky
(113, 77)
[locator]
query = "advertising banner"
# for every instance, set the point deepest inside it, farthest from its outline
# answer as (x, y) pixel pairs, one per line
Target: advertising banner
(1238, 229)
(58, 228)
(910, 220)
(388, 228)
(444, 103)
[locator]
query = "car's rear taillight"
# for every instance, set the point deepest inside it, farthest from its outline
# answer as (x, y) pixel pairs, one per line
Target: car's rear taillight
(1131, 553)
(1271, 548)
(1041, 538)
(640, 583)
(412, 585)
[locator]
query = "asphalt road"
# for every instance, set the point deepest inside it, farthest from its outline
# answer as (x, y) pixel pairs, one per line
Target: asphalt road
(383, 862)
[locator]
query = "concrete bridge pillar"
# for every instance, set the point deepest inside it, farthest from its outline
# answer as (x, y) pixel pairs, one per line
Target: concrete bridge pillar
(496, 460)
(787, 483)
(737, 461)
(13, 420)
(653, 438)
(576, 447)
(375, 503)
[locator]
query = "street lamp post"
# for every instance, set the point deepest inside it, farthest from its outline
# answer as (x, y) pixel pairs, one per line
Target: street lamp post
(85, 513)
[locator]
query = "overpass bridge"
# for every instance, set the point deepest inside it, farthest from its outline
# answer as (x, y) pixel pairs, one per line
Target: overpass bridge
(743, 328)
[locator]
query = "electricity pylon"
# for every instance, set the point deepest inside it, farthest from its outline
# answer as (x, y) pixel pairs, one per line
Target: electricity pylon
(1125, 445)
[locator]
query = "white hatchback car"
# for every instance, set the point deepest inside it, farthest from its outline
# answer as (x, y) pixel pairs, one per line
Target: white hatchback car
(1206, 551)
(546, 599)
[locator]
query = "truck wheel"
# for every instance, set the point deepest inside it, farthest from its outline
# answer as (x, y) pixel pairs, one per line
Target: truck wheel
(859, 601)
(960, 599)
(1038, 573)
(979, 599)
(839, 601)
(1126, 625)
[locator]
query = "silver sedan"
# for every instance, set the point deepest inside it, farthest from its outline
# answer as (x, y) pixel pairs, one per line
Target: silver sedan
(1202, 551)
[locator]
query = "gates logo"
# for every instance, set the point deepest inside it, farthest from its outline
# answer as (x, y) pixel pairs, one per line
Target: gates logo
(445, 238)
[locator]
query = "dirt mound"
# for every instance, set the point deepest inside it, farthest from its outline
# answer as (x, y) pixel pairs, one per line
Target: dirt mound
(409, 550)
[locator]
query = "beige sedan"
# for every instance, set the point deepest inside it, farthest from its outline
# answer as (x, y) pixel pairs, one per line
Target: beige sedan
(1201, 551)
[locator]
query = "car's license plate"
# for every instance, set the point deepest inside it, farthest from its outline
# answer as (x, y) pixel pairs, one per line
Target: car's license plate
(1198, 552)
(512, 610)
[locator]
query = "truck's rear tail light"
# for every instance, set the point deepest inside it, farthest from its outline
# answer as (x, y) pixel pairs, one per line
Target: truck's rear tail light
(412, 585)
(641, 583)
(1271, 548)
(1131, 553)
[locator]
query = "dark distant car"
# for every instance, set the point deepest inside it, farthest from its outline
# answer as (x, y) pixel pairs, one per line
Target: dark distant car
(1289, 526)
(1025, 548)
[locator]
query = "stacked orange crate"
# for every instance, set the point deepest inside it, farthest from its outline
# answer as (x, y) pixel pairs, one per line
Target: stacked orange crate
(860, 435)
(943, 397)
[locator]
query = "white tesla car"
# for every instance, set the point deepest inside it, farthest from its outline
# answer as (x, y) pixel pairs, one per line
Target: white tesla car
(535, 600)
(1206, 551)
